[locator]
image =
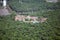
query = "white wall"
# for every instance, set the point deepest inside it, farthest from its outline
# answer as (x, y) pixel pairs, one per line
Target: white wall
(4, 3)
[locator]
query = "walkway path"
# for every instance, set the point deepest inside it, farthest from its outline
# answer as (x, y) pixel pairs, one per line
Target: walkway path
(4, 12)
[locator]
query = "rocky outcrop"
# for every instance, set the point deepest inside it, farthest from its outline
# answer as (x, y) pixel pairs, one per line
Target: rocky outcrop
(30, 19)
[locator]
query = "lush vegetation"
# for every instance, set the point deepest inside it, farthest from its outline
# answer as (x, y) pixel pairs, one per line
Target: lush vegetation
(31, 5)
(15, 30)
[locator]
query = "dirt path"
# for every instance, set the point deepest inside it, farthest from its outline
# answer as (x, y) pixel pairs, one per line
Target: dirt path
(4, 12)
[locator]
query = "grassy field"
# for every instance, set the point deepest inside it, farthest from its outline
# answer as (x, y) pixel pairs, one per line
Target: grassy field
(15, 30)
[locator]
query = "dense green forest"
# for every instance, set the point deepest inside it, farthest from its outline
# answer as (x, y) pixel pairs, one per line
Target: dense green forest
(32, 5)
(16, 30)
